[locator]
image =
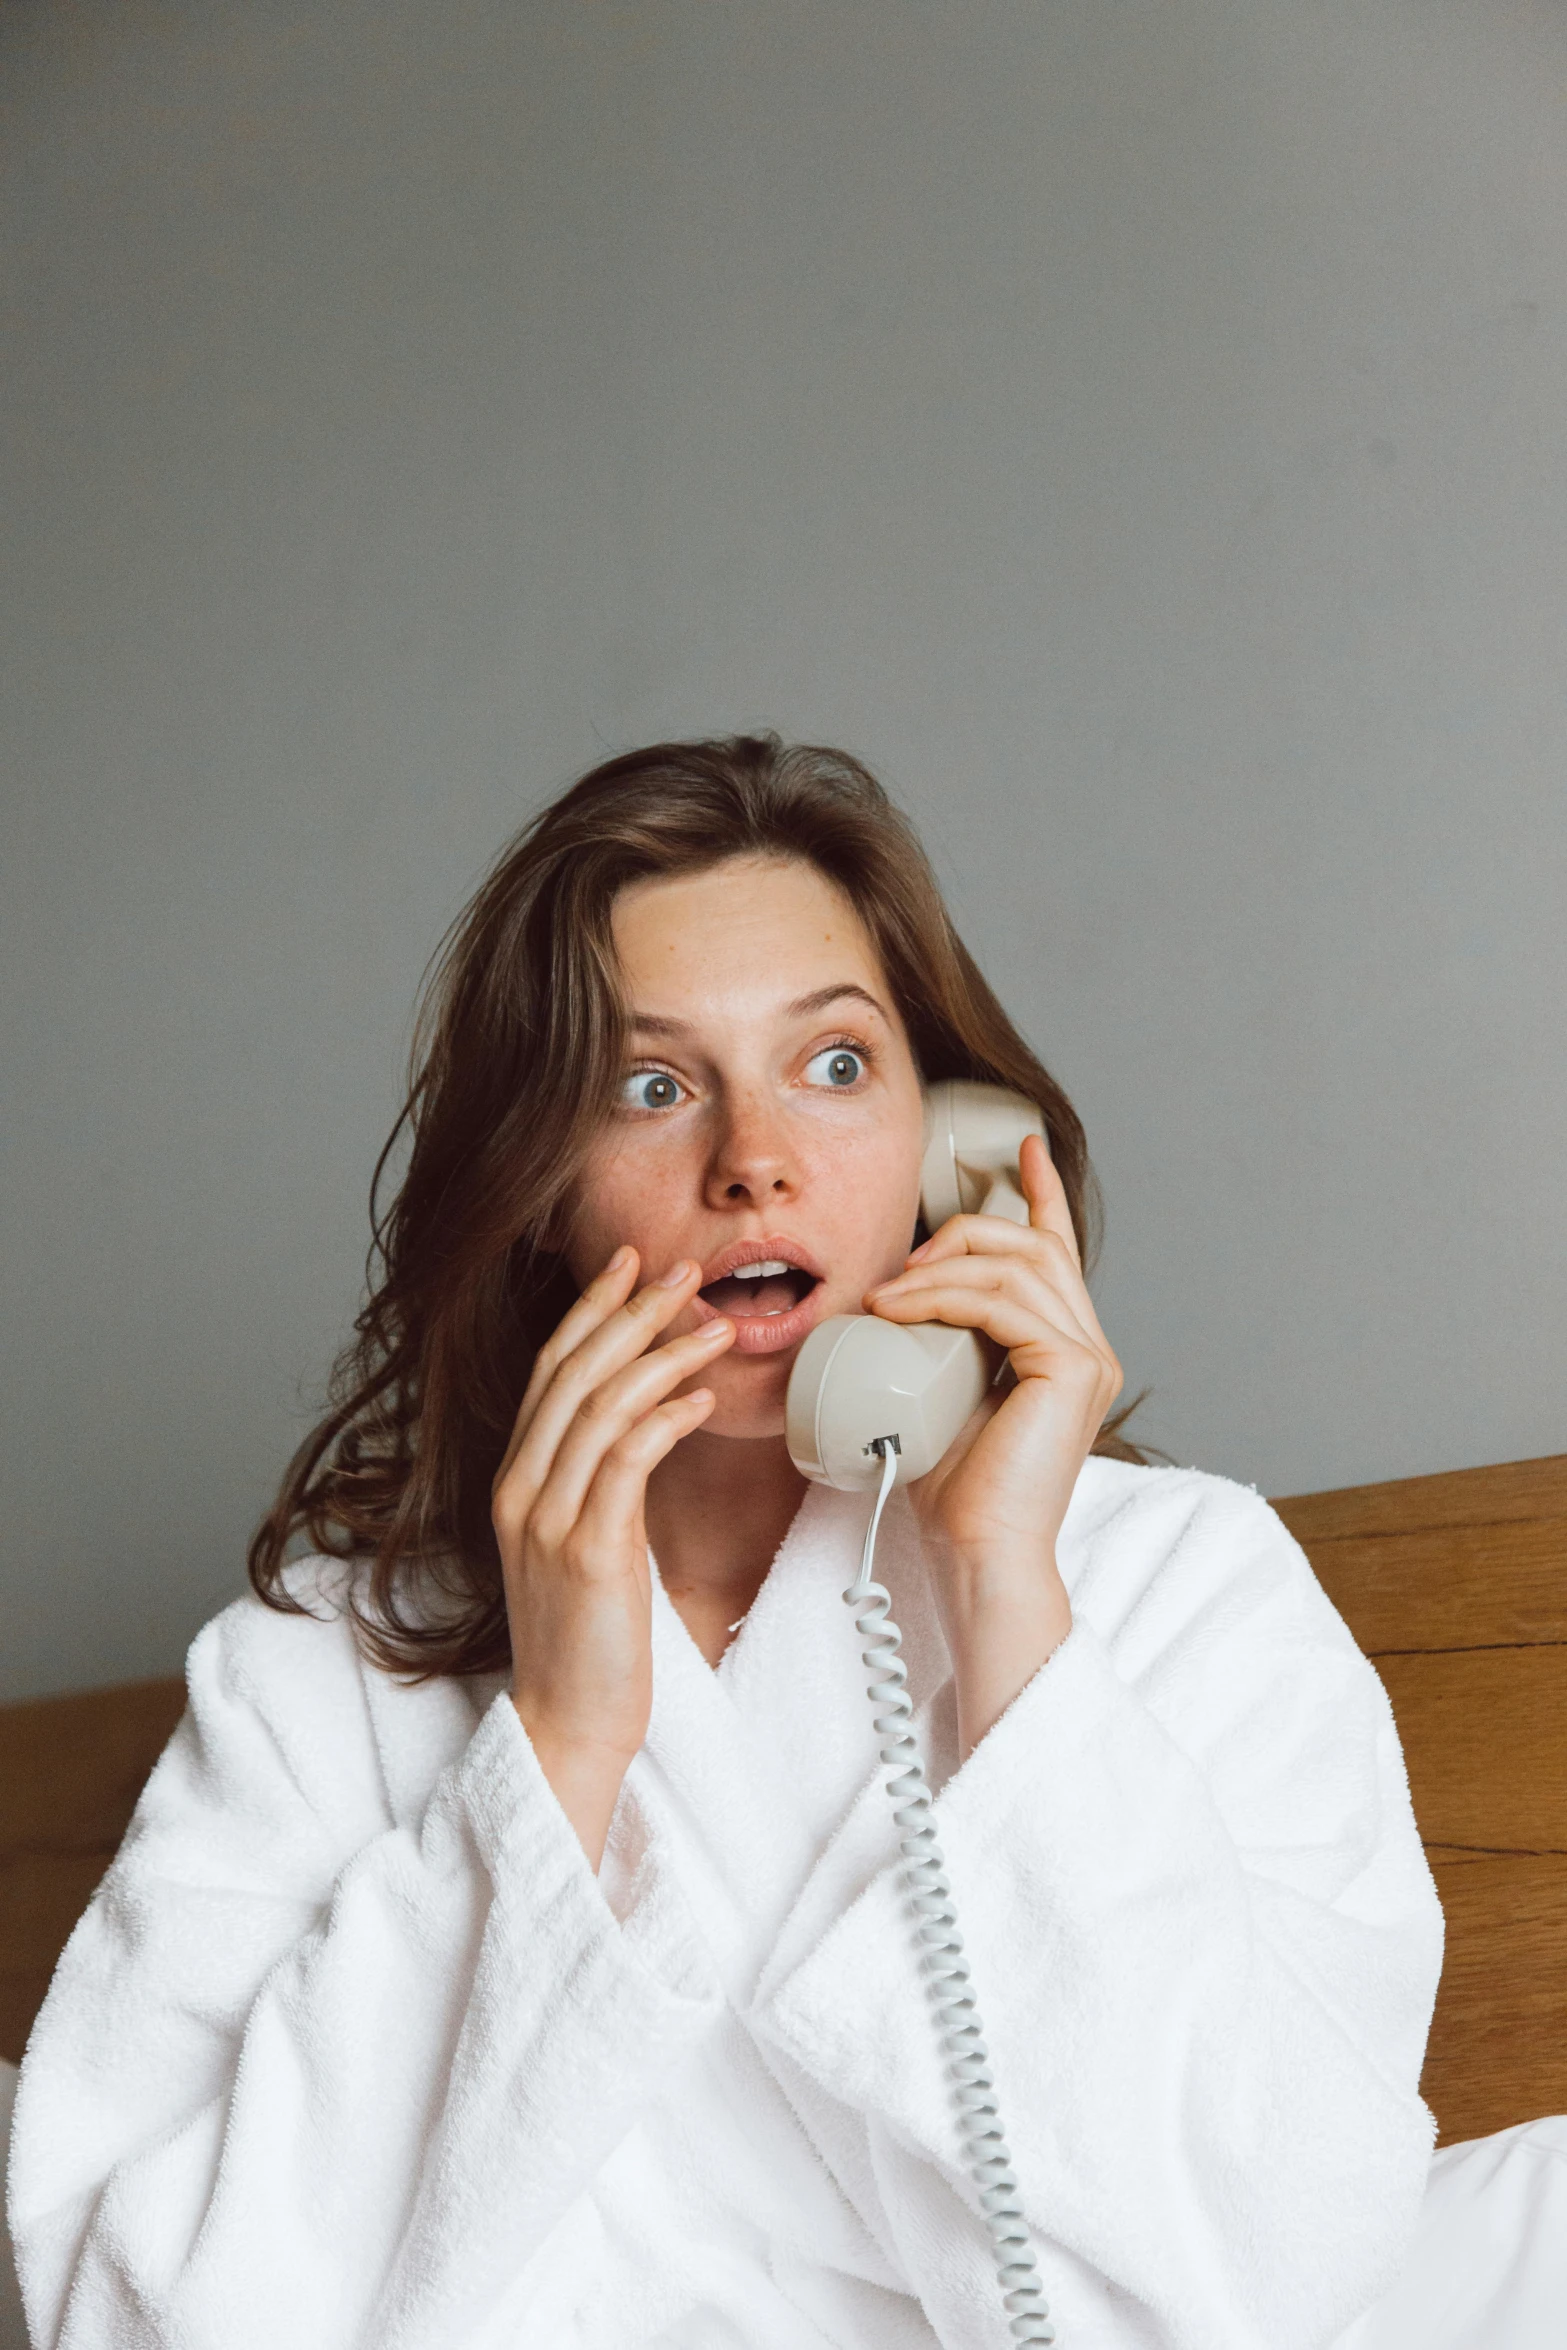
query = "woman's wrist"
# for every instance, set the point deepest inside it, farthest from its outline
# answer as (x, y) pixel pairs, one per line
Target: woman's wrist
(584, 1776)
(1004, 1615)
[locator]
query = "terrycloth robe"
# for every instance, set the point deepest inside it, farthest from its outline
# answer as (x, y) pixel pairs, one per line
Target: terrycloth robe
(353, 2051)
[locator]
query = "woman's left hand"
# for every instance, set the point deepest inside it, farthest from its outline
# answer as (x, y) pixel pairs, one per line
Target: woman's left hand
(991, 1509)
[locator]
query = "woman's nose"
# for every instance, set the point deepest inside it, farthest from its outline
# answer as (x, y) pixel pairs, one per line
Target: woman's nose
(752, 1164)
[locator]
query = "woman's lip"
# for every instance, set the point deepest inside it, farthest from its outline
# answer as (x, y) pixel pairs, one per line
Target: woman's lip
(768, 1334)
(770, 1249)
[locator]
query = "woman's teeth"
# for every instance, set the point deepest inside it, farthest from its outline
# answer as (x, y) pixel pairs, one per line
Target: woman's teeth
(765, 1289)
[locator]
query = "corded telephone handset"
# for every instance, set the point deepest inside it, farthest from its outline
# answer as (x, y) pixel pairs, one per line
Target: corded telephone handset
(857, 1379)
(872, 1404)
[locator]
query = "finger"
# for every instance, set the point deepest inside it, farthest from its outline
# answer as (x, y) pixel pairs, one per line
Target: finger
(607, 1413)
(992, 1305)
(1048, 1207)
(611, 1513)
(993, 1236)
(607, 1291)
(1049, 1286)
(1027, 1277)
(997, 1236)
(964, 1236)
(618, 1339)
(1050, 1349)
(603, 1296)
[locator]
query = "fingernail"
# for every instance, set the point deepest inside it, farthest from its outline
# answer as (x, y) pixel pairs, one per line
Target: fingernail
(719, 1329)
(619, 1261)
(676, 1274)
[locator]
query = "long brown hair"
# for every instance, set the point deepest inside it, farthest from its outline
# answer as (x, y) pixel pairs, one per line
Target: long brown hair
(516, 1056)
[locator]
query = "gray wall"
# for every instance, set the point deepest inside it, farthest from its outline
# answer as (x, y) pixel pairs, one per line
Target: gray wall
(1134, 425)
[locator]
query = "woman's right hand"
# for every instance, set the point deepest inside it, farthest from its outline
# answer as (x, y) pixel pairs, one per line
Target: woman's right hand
(568, 1510)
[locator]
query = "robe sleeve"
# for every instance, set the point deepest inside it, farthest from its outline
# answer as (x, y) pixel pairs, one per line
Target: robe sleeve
(306, 2075)
(1205, 1946)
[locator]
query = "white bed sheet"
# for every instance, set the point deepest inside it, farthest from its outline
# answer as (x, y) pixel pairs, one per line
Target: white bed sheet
(1487, 2271)
(1488, 2267)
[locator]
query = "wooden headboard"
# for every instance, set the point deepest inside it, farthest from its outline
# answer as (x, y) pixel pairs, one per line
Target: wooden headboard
(1455, 1586)
(71, 1769)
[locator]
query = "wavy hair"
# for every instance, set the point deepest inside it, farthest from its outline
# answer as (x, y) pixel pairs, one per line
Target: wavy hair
(516, 1056)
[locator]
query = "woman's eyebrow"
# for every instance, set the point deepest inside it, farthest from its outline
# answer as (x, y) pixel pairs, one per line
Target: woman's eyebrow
(653, 1024)
(823, 996)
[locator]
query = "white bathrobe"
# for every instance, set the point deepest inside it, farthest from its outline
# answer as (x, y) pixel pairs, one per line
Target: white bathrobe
(353, 2048)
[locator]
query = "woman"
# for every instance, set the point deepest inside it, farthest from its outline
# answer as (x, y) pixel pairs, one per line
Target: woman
(510, 1947)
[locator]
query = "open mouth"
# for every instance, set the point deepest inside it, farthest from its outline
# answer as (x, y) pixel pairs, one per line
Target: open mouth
(771, 1298)
(764, 1290)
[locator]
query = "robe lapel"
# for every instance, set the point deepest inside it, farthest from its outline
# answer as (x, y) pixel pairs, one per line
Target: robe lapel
(706, 1802)
(749, 1770)
(795, 1671)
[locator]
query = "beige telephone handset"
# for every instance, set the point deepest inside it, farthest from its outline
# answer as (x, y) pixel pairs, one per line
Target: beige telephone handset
(858, 1378)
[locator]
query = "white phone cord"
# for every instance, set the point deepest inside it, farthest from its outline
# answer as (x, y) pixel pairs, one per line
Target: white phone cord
(946, 1970)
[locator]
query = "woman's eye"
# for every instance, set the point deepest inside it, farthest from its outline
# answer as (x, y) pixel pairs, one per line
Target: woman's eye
(839, 1065)
(649, 1089)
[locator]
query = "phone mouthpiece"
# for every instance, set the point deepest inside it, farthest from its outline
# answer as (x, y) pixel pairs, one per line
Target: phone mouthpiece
(859, 1383)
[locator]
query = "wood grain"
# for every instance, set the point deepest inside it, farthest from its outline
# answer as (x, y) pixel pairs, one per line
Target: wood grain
(1485, 1740)
(1498, 2047)
(1456, 1586)
(41, 1898)
(1503, 1584)
(71, 1769)
(1515, 1490)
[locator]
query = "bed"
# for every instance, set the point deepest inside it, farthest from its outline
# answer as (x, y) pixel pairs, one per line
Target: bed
(1456, 1587)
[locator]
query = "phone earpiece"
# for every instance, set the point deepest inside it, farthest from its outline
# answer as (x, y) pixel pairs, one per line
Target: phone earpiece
(973, 1134)
(858, 1379)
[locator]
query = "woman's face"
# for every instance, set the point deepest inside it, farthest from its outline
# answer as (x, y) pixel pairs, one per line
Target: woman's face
(770, 1119)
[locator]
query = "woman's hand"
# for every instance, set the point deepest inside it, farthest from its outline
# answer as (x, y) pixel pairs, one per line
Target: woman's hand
(567, 1506)
(992, 1508)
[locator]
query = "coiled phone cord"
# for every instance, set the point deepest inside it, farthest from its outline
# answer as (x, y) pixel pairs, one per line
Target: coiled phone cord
(946, 1971)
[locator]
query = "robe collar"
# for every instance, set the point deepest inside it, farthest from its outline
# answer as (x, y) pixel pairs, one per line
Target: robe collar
(750, 1770)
